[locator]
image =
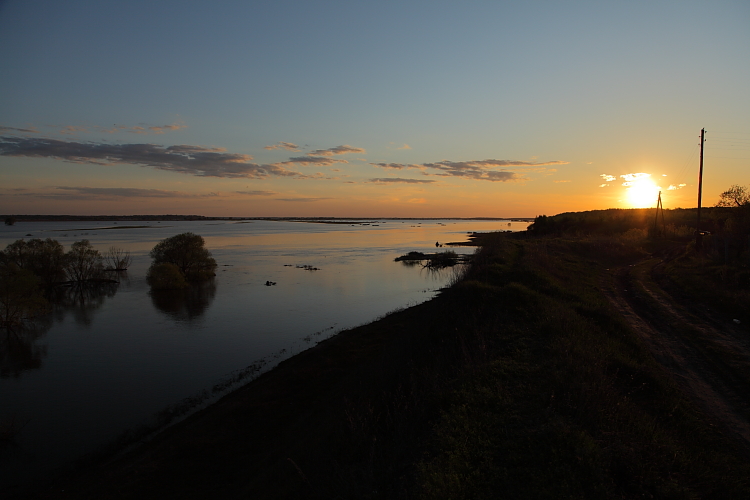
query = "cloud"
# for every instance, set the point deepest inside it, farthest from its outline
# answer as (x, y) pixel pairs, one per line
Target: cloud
(631, 179)
(257, 193)
(393, 180)
(131, 192)
(608, 178)
(98, 193)
(475, 169)
(396, 166)
(338, 150)
(166, 128)
(305, 200)
(416, 200)
(405, 146)
(31, 130)
(106, 193)
(145, 130)
(557, 182)
(289, 146)
(72, 129)
(478, 170)
(672, 187)
(193, 160)
(312, 160)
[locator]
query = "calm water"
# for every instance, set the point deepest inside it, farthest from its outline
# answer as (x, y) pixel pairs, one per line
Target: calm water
(109, 359)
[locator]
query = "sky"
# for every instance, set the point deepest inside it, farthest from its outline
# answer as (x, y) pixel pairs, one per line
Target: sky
(370, 108)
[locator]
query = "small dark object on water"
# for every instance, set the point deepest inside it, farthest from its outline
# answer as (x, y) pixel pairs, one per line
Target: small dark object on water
(308, 267)
(270, 283)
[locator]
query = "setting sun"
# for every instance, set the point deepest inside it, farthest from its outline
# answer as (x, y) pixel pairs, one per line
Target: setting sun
(642, 192)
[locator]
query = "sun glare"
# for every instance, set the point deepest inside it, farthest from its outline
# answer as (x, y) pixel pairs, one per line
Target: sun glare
(642, 192)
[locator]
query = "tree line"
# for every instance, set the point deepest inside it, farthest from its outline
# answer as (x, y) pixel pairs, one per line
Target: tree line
(28, 269)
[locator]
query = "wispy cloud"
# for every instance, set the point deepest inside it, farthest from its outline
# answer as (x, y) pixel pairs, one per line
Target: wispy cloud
(672, 187)
(166, 128)
(475, 169)
(72, 129)
(71, 193)
(289, 146)
(397, 166)
(396, 180)
(120, 192)
(75, 129)
(303, 200)
(558, 182)
(312, 160)
(257, 193)
(607, 179)
(193, 160)
(108, 193)
(160, 129)
(405, 146)
(631, 179)
(30, 130)
(338, 150)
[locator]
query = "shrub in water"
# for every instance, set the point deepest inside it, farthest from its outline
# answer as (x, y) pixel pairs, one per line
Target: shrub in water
(186, 251)
(165, 276)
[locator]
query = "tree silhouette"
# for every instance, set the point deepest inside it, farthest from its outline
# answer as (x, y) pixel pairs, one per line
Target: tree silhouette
(187, 252)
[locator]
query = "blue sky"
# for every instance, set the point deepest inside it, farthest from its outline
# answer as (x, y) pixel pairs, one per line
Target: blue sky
(368, 108)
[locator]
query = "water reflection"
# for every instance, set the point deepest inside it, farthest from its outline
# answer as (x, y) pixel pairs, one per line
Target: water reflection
(18, 348)
(81, 300)
(187, 304)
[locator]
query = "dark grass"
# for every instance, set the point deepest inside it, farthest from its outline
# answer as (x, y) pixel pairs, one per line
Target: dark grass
(570, 405)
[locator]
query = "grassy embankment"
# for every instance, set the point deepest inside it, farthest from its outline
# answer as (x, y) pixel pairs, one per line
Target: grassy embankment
(527, 383)
(520, 381)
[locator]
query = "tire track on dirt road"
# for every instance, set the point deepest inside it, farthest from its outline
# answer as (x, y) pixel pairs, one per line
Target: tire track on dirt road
(708, 359)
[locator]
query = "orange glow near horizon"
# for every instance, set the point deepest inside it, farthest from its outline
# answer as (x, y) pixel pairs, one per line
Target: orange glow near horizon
(642, 192)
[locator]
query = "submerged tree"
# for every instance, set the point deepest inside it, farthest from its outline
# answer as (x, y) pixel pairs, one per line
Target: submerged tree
(44, 258)
(187, 253)
(20, 295)
(165, 276)
(83, 262)
(117, 259)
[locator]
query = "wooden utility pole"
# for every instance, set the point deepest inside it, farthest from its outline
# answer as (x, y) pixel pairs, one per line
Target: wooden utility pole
(659, 207)
(698, 234)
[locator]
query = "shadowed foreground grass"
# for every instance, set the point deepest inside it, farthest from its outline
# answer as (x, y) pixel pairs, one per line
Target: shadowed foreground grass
(520, 381)
(569, 403)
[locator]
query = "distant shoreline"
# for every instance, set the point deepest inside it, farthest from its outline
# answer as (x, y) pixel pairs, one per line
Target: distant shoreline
(117, 218)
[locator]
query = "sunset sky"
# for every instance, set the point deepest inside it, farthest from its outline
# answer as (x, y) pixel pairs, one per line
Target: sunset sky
(369, 108)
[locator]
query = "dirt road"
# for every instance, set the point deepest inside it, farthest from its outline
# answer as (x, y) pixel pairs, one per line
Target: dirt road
(706, 354)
